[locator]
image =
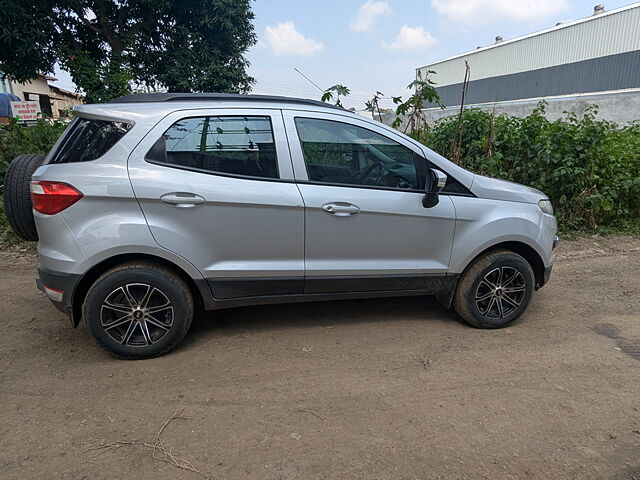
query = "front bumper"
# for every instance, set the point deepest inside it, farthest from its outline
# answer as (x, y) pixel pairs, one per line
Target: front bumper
(546, 274)
(59, 288)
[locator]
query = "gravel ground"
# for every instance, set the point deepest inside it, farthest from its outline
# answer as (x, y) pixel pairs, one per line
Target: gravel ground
(387, 389)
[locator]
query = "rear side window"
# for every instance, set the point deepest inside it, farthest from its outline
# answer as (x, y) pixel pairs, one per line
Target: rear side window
(87, 140)
(233, 145)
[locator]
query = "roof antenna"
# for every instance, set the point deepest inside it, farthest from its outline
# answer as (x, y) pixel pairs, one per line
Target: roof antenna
(309, 80)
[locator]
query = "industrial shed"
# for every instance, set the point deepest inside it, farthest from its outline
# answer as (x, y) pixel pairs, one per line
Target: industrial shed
(592, 55)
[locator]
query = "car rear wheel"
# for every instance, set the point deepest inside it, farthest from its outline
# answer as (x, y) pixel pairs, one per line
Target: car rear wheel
(137, 311)
(494, 290)
(17, 195)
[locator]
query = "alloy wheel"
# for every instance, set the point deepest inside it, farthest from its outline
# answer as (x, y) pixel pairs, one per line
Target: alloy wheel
(136, 315)
(500, 292)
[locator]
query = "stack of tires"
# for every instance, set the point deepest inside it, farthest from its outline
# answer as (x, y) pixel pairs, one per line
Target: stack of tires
(17, 195)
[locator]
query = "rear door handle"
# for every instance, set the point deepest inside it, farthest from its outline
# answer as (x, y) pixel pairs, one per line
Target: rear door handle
(341, 209)
(182, 199)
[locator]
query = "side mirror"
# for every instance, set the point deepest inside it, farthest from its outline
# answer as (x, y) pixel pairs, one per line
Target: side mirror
(434, 184)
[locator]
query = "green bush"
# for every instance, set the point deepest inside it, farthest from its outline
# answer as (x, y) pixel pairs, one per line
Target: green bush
(590, 169)
(17, 140)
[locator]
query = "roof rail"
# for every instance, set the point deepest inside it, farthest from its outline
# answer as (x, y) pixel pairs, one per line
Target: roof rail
(194, 97)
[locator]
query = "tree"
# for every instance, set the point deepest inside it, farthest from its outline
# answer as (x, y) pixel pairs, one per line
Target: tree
(339, 90)
(424, 91)
(25, 33)
(106, 45)
(373, 105)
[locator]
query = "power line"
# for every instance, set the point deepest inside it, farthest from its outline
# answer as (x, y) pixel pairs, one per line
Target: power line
(287, 87)
(283, 87)
(277, 88)
(297, 90)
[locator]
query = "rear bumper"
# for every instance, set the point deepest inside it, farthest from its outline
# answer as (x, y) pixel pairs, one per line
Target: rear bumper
(59, 288)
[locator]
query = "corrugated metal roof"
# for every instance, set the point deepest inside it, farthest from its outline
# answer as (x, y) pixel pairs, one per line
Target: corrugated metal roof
(609, 33)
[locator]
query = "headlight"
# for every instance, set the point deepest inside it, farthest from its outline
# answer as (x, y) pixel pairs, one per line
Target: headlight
(546, 207)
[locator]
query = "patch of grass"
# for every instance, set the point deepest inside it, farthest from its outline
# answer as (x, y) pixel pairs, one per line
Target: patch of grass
(631, 227)
(624, 227)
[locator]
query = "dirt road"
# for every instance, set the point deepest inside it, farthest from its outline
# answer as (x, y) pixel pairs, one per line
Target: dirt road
(375, 389)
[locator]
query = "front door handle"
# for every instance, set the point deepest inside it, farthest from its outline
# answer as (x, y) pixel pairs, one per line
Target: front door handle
(341, 209)
(182, 199)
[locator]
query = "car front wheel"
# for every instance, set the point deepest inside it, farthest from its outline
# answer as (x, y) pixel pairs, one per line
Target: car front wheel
(137, 311)
(494, 290)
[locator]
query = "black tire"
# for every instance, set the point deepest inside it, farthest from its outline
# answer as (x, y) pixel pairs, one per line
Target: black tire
(17, 195)
(494, 290)
(116, 327)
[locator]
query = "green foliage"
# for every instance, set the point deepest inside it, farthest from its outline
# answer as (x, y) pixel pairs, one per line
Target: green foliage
(204, 51)
(590, 169)
(423, 91)
(373, 105)
(25, 39)
(339, 90)
(183, 46)
(18, 140)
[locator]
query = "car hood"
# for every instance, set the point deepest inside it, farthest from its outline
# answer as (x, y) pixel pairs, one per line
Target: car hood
(495, 189)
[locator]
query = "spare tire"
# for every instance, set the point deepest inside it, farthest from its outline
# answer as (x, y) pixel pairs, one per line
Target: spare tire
(17, 195)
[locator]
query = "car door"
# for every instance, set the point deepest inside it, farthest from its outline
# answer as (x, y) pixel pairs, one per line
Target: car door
(216, 187)
(365, 226)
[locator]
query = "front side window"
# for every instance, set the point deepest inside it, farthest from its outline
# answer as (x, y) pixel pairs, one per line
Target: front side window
(235, 145)
(86, 140)
(341, 153)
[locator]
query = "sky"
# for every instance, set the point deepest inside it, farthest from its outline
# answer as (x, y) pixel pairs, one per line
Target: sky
(376, 45)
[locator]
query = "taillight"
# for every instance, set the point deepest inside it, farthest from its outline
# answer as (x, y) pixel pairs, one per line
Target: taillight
(53, 197)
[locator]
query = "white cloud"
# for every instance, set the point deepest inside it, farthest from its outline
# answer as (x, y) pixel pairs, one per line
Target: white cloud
(483, 12)
(284, 39)
(411, 39)
(368, 14)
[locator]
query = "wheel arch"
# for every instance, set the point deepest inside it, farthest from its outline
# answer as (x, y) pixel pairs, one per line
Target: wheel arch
(526, 251)
(199, 289)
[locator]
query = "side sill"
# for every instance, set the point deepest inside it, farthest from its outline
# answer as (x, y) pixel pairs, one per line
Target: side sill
(312, 297)
(272, 291)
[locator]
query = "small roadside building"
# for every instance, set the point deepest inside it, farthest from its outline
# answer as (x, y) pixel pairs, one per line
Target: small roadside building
(54, 101)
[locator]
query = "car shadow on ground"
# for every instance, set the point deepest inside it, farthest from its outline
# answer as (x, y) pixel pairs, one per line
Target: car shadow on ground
(234, 321)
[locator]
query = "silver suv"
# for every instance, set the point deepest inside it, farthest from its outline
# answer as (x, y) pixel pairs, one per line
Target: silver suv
(153, 207)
